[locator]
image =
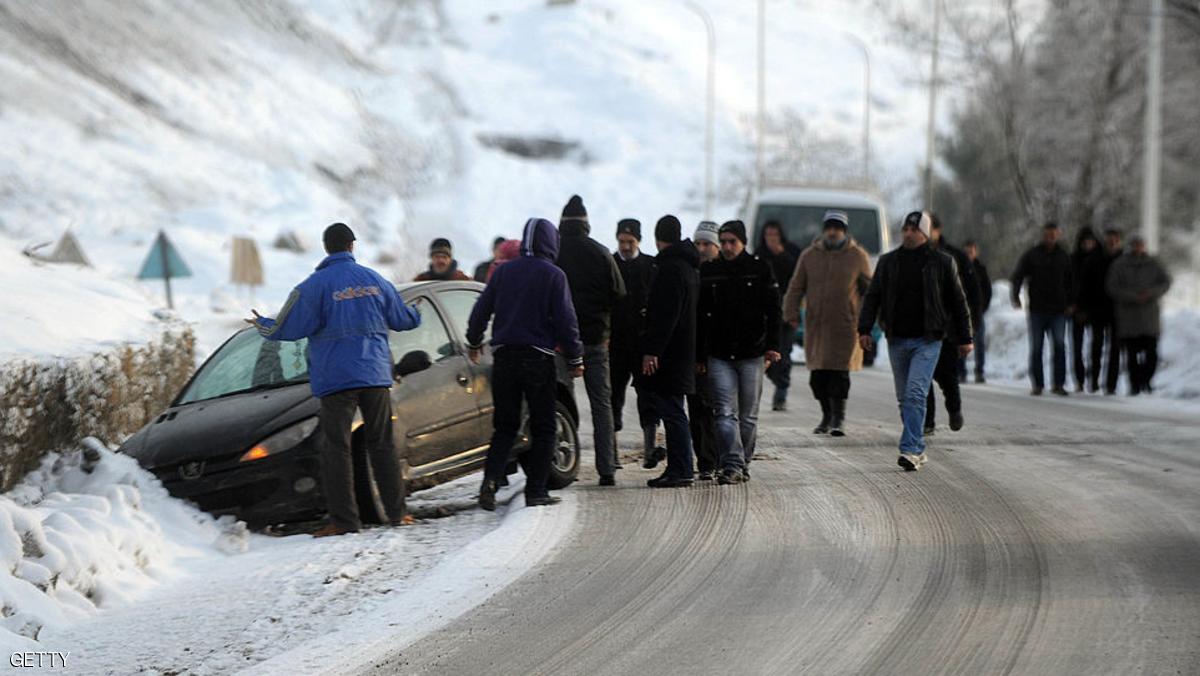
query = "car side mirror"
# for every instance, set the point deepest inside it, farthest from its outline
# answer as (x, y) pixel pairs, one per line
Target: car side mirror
(413, 362)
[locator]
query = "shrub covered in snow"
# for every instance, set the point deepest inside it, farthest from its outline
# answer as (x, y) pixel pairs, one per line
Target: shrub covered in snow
(47, 404)
(89, 529)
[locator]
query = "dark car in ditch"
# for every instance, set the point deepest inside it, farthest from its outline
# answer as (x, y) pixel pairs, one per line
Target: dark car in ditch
(240, 438)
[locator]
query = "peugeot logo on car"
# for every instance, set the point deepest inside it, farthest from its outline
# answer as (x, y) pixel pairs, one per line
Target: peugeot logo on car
(192, 470)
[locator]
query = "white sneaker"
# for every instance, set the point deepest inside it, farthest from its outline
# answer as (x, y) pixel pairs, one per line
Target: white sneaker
(911, 462)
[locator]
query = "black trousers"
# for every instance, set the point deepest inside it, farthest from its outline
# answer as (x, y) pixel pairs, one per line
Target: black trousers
(703, 426)
(519, 375)
(780, 373)
(828, 384)
(1103, 332)
(1141, 354)
(337, 464)
(622, 367)
(945, 374)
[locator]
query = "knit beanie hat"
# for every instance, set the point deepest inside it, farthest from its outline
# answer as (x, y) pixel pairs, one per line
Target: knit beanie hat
(707, 232)
(920, 219)
(575, 211)
(668, 230)
(630, 226)
(736, 228)
(441, 245)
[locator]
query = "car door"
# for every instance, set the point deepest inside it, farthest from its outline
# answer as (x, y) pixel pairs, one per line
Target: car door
(434, 404)
(458, 303)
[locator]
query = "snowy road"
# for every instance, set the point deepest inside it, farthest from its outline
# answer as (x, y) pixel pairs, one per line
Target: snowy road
(1050, 536)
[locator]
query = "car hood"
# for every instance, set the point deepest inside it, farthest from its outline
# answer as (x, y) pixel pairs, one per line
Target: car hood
(219, 427)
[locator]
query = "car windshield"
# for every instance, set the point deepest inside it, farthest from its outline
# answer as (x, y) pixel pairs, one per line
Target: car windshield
(249, 362)
(803, 224)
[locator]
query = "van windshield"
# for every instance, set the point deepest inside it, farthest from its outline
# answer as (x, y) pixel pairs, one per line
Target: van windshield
(246, 363)
(803, 224)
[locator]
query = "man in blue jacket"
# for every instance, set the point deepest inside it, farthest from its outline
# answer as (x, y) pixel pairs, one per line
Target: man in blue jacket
(345, 311)
(533, 315)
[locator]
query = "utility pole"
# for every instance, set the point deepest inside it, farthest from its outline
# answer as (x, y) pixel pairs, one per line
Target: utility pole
(760, 124)
(931, 128)
(709, 105)
(866, 114)
(1152, 172)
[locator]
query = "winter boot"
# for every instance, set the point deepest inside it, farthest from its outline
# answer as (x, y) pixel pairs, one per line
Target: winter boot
(837, 417)
(826, 416)
(487, 495)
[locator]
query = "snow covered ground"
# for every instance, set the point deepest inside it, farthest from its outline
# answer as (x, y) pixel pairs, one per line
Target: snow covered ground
(99, 561)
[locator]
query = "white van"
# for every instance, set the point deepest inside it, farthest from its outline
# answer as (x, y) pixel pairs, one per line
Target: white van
(801, 210)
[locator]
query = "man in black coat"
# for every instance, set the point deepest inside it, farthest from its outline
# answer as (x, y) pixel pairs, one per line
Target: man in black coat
(946, 375)
(628, 326)
(1047, 268)
(1105, 311)
(596, 286)
(1087, 259)
(669, 362)
(739, 317)
(774, 248)
(971, 248)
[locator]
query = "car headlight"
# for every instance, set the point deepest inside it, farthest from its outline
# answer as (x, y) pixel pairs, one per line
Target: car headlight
(283, 440)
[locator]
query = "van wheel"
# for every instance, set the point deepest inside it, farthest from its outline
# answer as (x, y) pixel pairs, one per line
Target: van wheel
(564, 464)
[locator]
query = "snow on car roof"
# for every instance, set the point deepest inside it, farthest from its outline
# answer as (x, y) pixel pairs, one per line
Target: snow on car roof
(823, 197)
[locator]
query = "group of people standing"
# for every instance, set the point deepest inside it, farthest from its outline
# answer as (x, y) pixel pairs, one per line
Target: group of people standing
(1105, 294)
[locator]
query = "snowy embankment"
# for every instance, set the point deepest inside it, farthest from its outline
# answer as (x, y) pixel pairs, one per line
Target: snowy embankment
(1179, 356)
(97, 559)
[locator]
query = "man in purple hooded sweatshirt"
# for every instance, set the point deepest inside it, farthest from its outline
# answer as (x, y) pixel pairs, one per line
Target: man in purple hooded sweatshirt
(529, 304)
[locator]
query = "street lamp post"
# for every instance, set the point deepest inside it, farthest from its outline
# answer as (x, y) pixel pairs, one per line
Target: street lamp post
(1152, 173)
(709, 104)
(931, 127)
(762, 94)
(866, 115)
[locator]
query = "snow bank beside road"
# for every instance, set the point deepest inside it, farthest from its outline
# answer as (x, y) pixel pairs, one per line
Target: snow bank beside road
(90, 530)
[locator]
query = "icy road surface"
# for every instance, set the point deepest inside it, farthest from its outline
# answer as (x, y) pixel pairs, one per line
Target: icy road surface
(1050, 536)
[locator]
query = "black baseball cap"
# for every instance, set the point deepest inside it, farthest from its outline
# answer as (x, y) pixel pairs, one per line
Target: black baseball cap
(337, 237)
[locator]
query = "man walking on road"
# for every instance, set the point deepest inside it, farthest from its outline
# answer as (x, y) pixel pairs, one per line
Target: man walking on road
(531, 305)
(1087, 262)
(628, 327)
(946, 374)
(971, 248)
(669, 363)
(700, 406)
(918, 300)
(781, 255)
(345, 311)
(1138, 281)
(738, 328)
(1047, 268)
(1106, 312)
(832, 275)
(596, 287)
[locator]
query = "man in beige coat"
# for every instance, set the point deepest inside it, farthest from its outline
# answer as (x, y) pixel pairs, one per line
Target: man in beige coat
(831, 277)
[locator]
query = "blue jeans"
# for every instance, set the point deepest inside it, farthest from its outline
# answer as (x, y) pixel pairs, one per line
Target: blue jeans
(913, 362)
(680, 459)
(736, 389)
(1041, 323)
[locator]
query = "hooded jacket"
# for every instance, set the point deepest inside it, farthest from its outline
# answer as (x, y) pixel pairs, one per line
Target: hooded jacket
(739, 309)
(595, 282)
(671, 320)
(345, 310)
(529, 300)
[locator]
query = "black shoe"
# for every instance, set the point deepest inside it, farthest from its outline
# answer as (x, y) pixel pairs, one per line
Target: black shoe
(667, 481)
(656, 456)
(1062, 392)
(543, 501)
(746, 473)
(731, 476)
(826, 415)
(779, 406)
(979, 379)
(1036, 391)
(607, 480)
(837, 417)
(930, 429)
(956, 421)
(706, 475)
(487, 495)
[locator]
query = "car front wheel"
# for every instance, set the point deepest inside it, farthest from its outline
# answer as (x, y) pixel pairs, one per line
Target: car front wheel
(564, 464)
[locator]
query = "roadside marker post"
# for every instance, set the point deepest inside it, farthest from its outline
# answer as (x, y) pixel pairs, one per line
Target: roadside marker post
(164, 262)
